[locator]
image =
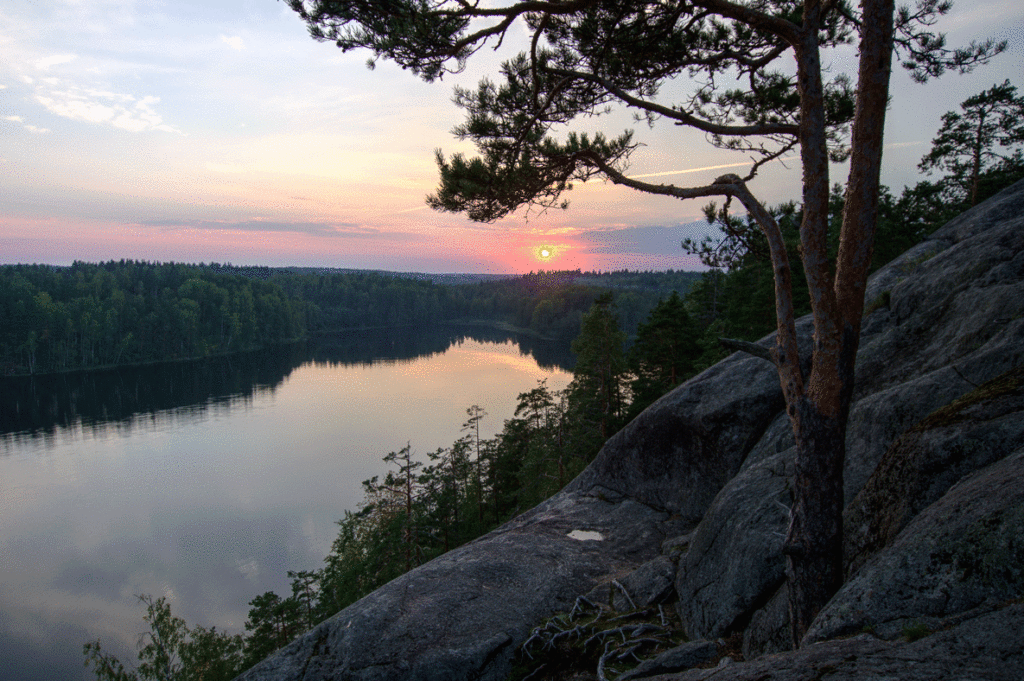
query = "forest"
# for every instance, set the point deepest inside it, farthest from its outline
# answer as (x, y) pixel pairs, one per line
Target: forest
(424, 506)
(88, 315)
(124, 312)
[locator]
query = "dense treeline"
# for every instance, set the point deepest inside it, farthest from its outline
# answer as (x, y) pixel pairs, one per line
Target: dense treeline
(551, 304)
(128, 312)
(353, 300)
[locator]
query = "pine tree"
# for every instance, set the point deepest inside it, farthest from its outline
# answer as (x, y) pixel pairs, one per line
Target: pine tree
(476, 414)
(985, 137)
(663, 354)
(597, 391)
(170, 650)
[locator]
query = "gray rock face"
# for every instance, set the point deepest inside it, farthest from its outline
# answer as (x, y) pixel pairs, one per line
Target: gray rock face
(462, 615)
(961, 552)
(952, 295)
(955, 319)
(768, 631)
(735, 559)
(709, 461)
(876, 420)
(650, 584)
(674, 547)
(988, 647)
(976, 430)
(685, 447)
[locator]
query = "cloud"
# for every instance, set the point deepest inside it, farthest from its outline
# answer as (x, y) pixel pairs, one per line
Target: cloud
(349, 230)
(234, 41)
(27, 126)
(649, 240)
(102, 107)
(48, 62)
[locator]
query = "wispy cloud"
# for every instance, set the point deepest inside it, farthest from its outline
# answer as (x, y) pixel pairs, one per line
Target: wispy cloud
(28, 126)
(235, 42)
(49, 62)
(646, 240)
(411, 210)
(118, 110)
(349, 230)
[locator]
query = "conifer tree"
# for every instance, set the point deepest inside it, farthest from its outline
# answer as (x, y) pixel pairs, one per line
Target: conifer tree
(476, 414)
(986, 135)
(404, 485)
(598, 386)
(272, 623)
(170, 650)
(663, 353)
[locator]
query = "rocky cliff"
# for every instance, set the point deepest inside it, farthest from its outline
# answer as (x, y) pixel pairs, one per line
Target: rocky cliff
(687, 507)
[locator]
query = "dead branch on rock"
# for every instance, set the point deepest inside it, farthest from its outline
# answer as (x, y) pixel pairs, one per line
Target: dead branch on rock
(625, 593)
(576, 606)
(754, 349)
(565, 643)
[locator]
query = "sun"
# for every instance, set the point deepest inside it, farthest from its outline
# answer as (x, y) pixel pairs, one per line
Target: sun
(544, 252)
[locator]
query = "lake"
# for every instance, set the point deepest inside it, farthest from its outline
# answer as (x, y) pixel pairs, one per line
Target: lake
(207, 481)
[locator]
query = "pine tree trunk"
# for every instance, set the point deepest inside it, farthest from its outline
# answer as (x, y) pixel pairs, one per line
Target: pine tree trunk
(976, 158)
(815, 542)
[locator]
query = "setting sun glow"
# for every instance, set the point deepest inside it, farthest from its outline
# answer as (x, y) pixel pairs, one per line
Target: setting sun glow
(545, 252)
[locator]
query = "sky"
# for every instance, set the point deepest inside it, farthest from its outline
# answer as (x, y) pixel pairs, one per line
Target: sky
(219, 131)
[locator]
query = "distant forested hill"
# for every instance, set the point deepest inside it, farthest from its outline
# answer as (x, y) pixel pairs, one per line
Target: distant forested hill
(130, 312)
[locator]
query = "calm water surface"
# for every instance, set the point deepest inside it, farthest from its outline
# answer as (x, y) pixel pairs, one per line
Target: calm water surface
(206, 482)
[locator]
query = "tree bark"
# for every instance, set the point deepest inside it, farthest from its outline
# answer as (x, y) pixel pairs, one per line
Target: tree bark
(814, 544)
(737, 345)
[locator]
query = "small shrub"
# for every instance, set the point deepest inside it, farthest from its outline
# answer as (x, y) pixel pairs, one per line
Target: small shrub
(915, 631)
(881, 300)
